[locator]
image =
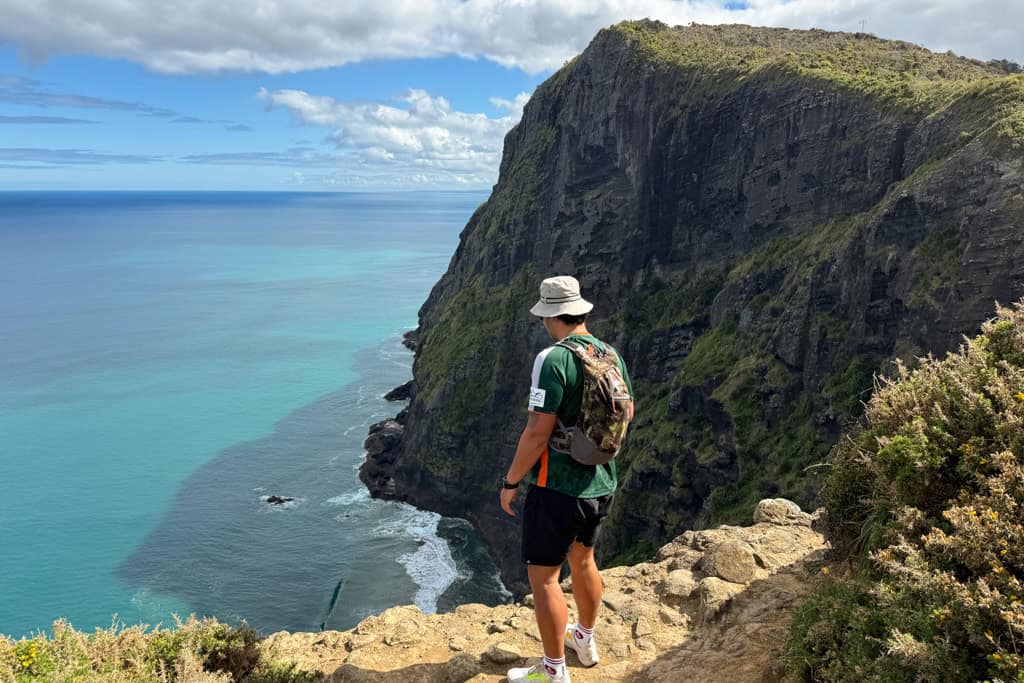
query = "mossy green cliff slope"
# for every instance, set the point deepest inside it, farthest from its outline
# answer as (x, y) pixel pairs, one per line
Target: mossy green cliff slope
(763, 217)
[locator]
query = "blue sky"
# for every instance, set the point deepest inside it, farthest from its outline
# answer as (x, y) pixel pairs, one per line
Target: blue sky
(275, 95)
(107, 144)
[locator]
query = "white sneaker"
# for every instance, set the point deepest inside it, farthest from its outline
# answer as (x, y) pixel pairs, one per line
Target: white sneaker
(587, 653)
(537, 673)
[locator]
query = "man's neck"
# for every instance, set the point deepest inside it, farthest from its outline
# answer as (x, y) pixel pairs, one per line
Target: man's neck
(579, 329)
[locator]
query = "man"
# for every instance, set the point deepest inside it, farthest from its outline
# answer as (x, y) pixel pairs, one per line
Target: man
(566, 501)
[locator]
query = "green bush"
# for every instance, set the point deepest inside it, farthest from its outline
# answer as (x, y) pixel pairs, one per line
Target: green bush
(925, 504)
(194, 651)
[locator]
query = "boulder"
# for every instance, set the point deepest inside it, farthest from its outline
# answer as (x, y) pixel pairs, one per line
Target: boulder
(678, 586)
(732, 561)
(780, 511)
(503, 653)
(460, 668)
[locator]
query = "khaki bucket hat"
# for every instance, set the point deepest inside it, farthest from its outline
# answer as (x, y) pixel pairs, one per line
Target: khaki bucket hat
(560, 295)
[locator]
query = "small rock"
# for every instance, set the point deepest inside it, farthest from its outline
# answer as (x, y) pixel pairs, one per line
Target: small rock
(528, 600)
(672, 617)
(503, 653)
(642, 628)
(714, 595)
(458, 644)
(461, 668)
(819, 521)
(405, 633)
(673, 549)
(645, 644)
(620, 650)
(360, 640)
(700, 540)
(516, 623)
(731, 560)
(685, 560)
(678, 585)
(400, 615)
(780, 511)
(474, 610)
(497, 628)
(614, 602)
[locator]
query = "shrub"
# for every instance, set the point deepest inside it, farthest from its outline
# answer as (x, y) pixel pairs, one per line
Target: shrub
(194, 651)
(925, 504)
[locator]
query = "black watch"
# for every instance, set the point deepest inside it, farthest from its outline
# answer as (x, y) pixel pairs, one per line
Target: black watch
(506, 485)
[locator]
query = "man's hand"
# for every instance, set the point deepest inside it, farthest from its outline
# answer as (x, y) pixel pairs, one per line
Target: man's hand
(508, 496)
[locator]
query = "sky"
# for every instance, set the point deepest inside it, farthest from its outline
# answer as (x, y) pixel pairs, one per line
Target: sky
(329, 95)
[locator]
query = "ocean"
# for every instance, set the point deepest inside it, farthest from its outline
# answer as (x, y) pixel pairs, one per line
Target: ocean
(168, 360)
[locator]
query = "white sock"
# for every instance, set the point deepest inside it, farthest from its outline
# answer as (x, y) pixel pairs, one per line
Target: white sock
(555, 667)
(583, 634)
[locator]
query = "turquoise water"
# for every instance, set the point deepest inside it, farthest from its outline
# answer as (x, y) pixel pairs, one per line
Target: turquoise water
(167, 360)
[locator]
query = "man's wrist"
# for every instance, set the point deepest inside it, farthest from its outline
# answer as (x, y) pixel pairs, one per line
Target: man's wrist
(506, 484)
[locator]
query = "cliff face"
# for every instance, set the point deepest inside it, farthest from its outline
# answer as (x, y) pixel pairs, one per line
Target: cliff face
(762, 217)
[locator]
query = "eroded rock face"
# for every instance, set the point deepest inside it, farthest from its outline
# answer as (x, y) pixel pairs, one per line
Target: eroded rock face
(755, 246)
(384, 437)
(656, 624)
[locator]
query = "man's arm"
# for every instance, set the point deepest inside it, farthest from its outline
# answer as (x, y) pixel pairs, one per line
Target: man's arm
(532, 443)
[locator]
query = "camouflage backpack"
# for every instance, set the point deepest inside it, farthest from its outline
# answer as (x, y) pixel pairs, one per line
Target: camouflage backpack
(600, 428)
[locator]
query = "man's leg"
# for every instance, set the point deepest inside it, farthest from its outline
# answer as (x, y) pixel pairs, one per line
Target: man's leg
(586, 583)
(550, 608)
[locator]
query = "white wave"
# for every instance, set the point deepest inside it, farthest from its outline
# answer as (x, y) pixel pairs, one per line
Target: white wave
(431, 566)
(156, 610)
(350, 498)
(506, 594)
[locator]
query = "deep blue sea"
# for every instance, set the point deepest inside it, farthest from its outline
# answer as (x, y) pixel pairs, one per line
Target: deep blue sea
(167, 361)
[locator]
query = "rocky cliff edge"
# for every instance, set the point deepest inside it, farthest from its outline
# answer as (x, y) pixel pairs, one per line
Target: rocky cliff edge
(712, 605)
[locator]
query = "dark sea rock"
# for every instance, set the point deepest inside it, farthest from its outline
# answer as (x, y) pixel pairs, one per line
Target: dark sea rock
(400, 393)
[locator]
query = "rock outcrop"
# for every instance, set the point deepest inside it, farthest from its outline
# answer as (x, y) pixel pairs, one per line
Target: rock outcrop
(672, 619)
(763, 217)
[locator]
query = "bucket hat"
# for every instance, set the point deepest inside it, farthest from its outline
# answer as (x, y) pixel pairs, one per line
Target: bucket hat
(560, 295)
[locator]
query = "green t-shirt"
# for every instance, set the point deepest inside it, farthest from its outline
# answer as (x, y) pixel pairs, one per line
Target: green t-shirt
(556, 386)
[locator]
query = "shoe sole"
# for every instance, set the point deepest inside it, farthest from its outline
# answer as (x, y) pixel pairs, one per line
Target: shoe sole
(569, 642)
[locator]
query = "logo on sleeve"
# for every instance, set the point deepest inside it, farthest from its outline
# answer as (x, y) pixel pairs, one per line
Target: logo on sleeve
(537, 397)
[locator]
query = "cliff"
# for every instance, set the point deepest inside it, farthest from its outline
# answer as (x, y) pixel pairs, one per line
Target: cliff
(763, 218)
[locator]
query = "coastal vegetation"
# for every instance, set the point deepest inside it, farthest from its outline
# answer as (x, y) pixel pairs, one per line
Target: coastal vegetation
(193, 651)
(925, 502)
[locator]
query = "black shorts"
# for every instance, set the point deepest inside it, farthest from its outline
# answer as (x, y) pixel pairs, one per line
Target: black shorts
(552, 521)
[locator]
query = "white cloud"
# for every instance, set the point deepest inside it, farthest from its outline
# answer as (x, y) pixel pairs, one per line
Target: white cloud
(513, 107)
(535, 35)
(425, 141)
